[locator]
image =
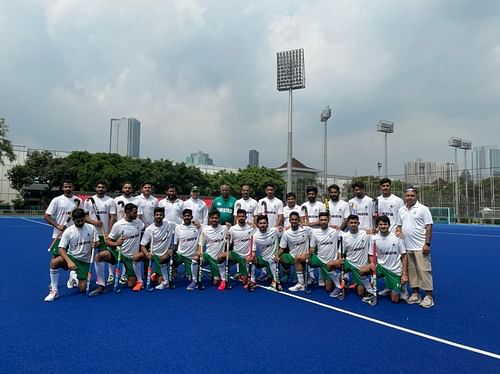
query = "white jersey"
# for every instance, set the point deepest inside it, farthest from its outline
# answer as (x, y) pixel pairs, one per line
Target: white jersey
(173, 210)
(298, 241)
(389, 251)
(272, 208)
(356, 247)
(186, 239)
(131, 234)
(146, 208)
(264, 243)
(105, 207)
(339, 211)
(313, 210)
(286, 214)
(325, 242)
(240, 237)
(78, 242)
(214, 240)
(389, 206)
(364, 208)
(60, 209)
(199, 209)
(413, 222)
(120, 202)
(250, 206)
(161, 236)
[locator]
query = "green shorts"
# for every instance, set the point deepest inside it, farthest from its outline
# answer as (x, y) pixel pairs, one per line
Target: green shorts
(127, 261)
(54, 248)
(315, 262)
(214, 266)
(392, 280)
(82, 268)
(102, 244)
(180, 259)
(287, 259)
(356, 275)
(261, 263)
(237, 259)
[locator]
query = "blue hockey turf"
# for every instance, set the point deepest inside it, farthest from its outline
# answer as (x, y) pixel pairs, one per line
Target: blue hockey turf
(240, 332)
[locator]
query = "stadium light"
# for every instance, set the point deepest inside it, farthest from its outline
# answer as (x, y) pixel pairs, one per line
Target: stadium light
(290, 76)
(466, 146)
(456, 143)
(325, 115)
(387, 127)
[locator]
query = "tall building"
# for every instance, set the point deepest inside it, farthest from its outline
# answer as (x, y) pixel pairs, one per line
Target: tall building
(199, 158)
(253, 158)
(125, 136)
(486, 161)
(425, 172)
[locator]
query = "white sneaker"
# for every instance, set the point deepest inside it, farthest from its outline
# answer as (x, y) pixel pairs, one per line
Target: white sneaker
(336, 292)
(427, 302)
(384, 292)
(414, 299)
(310, 281)
(297, 287)
(124, 279)
(162, 285)
(111, 280)
(72, 280)
(51, 296)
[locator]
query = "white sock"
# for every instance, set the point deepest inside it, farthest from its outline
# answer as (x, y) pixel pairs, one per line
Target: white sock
(111, 269)
(99, 269)
(194, 270)
(311, 272)
(164, 271)
(272, 266)
(335, 277)
(138, 270)
(300, 277)
(72, 275)
(54, 278)
(252, 275)
(366, 282)
(124, 270)
(263, 271)
(222, 271)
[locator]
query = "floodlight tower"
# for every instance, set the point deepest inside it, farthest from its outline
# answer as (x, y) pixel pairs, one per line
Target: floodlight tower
(456, 143)
(466, 146)
(290, 76)
(325, 115)
(387, 127)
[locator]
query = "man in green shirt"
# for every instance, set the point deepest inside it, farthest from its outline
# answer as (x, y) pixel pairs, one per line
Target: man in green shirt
(225, 205)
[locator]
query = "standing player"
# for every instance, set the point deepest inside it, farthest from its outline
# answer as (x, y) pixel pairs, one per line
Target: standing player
(58, 215)
(291, 206)
(240, 238)
(271, 206)
(264, 240)
(246, 203)
(126, 234)
(197, 206)
(158, 238)
(102, 206)
(296, 239)
(172, 205)
(388, 203)
(75, 251)
(392, 263)
(339, 209)
(362, 206)
(186, 243)
(416, 227)
(312, 207)
(147, 204)
(225, 205)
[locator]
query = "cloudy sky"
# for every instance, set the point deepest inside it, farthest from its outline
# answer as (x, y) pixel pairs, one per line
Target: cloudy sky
(201, 75)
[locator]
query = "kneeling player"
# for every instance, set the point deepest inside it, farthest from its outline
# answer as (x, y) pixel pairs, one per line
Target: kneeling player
(124, 237)
(240, 238)
(392, 263)
(264, 243)
(186, 243)
(75, 253)
(158, 237)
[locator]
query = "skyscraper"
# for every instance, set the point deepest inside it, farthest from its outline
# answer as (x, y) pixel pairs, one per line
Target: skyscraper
(125, 136)
(253, 158)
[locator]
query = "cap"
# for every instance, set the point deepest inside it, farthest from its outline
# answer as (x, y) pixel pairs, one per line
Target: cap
(195, 189)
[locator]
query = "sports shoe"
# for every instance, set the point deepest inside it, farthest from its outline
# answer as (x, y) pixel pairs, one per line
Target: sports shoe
(111, 280)
(99, 290)
(414, 299)
(262, 277)
(297, 287)
(192, 286)
(138, 286)
(336, 292)
(273, 285)
(427, 302)
(72, 280)
(222, 285)
(124, 279)
(384, 292)
(162, 285)
(51, 296)
(368, 298)
(310, 281)
(153, 277)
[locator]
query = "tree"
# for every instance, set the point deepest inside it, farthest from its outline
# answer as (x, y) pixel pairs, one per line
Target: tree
(257, 178)
(5, 144)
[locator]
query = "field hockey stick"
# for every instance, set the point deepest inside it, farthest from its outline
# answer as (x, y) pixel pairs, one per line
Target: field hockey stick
(373, 301)
(116, 286)
(250, 267)
(327, 203)
(306, 214)
(375, 212)
(264, 205)
(277, 280)
(228, 278)
(171, 283)
(122, 207)
(307, 289)
(340, 244)
(89, 272)
(98, 216)
(150, 265)
(199, 277)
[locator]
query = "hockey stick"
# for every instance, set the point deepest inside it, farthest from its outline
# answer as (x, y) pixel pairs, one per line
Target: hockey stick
(150, 265)
(306, 214)
(228, 278)
(340, 244)
(171, 283)
(327, 203)
(307, 289)
(116, 286)
(264, 205)
(250, 286)
(94, 206)
(89, 273)
(199, 276)
(277, 280)
(373, 301)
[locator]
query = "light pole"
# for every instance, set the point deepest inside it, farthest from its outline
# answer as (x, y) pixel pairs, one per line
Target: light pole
(379, 166)
(290, 76)
(456, 143)
(466, 146)
(325, 115)
(387, 127)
